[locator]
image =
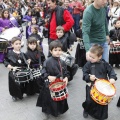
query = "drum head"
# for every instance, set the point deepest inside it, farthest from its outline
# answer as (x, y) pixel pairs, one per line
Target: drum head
(8, 34)
(105, 87)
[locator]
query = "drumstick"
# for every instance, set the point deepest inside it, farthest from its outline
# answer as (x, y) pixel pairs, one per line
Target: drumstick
(16, 68)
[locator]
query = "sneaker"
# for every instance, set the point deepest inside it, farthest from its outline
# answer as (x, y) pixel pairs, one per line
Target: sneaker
(85, 114)
(74, 69)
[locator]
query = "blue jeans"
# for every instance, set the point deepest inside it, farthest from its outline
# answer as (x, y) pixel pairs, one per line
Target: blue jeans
(76, 18)
(105, 55)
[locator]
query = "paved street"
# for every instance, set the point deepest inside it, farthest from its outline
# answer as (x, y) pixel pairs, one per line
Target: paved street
(26, 109)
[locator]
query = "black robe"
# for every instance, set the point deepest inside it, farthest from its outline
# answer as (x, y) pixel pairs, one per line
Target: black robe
(35, 57)
(16, 89)
(80, 55)
(100, 70)
(64, 40)
(114, 58)
(51, 67)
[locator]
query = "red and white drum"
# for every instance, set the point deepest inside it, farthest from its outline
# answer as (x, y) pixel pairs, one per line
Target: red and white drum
(58, 90)
(102, 92)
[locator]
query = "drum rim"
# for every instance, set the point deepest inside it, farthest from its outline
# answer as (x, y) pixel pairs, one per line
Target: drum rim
(60, 98)
(101, 103)
(106, 81)
(59, 88)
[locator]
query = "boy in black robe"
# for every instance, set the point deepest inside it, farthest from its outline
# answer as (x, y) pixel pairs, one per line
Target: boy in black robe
(94, 69)
(114, 54)
(15, 59)
(53, 68)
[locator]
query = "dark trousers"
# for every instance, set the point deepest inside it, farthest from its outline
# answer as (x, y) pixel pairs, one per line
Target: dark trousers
(76, 18)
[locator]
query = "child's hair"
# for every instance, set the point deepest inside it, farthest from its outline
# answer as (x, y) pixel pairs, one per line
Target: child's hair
(55, 44)
(59, 28)
(15, 39)
(97, 49)
(4, 12)
(32, 40)
(115, 21)
(35, 27)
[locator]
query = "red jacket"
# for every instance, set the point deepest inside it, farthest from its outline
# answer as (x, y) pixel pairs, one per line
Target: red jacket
(69, 22)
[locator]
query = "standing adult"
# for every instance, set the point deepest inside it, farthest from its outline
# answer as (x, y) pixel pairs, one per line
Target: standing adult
(59, 16)
(66, 5)
(77, 8)
(95, 28)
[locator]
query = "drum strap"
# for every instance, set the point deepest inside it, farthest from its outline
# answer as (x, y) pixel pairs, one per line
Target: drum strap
(24, 58)
(60, 68)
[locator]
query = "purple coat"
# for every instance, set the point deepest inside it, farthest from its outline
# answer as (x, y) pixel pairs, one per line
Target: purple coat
(26, 18)
(5, 23)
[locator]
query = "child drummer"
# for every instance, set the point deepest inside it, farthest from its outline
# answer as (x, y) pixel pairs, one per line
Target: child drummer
(94, 69)
(53, 68)
(114, 55)
(15, 59)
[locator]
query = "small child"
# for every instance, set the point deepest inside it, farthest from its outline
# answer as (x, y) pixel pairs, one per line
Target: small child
(27, 18)
(80, 55)
(36, 55)
(53, 68)
(62, 37)
(34, 21)
(66, 43)
(114, 54)
(94, 69)
(15, 59)
(34, 33)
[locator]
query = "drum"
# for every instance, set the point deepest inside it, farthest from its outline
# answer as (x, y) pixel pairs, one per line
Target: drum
(115, 47)
(58, 90)
(102, 92)
(3, 45)
(22, 75)
(8, 34)
(36, 72)
(68, 59)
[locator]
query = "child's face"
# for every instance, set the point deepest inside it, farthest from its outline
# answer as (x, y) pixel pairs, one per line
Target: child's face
(32, 46)
(56, 52)
(17, 45)
(6, 14)
(117, 24)
(29, 13)
(33, 21)
(94, 58)
(59, 33)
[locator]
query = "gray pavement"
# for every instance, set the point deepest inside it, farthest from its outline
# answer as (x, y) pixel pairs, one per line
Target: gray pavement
(26, 109)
